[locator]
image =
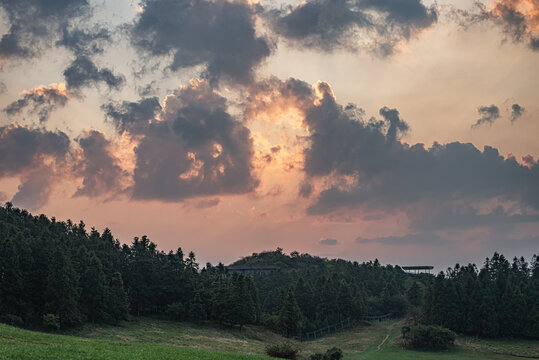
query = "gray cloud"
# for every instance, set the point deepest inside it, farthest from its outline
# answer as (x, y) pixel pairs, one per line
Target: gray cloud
(41, 100)
(85, 41)
(220, 35)
(517, 18)
(208, 203)
(489, 114)
(27, 154)
(329, 241)
(516, 112)
(422, 238)
(34, 23)
(99, 167)
(22, 148)
(83, 72)
(369, 170)
(332, 24)
(132, 116)
(196, 148)
(305, 189)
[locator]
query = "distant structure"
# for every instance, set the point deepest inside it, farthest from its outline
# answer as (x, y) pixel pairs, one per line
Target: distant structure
(421, 269)
(253, 270)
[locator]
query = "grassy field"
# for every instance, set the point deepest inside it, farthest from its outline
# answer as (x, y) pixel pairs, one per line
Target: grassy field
(158, 339)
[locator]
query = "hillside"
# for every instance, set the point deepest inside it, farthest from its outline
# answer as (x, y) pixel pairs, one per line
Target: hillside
(150, 338)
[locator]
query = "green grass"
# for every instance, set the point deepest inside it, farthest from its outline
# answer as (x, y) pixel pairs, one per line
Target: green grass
(150, 339)
(23, 344)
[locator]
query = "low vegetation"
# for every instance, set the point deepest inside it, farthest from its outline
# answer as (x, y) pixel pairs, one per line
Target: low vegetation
(422, 337)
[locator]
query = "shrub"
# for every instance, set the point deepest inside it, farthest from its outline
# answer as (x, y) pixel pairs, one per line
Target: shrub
(332, 354)
(51, 321)
(284, 351)
(428, 337)
(12, 320)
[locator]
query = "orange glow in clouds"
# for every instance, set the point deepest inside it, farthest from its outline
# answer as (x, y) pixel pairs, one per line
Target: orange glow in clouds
(529, 9)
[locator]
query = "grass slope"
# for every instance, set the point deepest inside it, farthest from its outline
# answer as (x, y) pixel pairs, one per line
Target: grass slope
(150, 338)
(23, 344)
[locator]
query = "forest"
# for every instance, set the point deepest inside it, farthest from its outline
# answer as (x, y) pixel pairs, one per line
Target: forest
(56, 275)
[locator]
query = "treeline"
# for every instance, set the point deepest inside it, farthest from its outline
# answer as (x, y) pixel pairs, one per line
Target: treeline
(308, 292)
(58, 274)
(500, 299)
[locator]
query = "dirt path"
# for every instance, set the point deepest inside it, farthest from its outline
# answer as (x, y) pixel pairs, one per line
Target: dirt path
(385, 339)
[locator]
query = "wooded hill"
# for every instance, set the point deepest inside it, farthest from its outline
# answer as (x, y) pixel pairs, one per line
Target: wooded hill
(59, 274)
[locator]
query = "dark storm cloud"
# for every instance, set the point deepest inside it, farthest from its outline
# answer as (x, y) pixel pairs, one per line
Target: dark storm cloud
(195, 148)
(41, 100)
(32, 155)
(331, 24)
(329, 241)
(489, 114)
(98, 166)
(516, 112)
(83, 72)
(218, 34)
(33, 24)
(132, 116)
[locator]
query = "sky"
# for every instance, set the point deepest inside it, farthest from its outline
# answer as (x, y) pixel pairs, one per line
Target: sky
(403, 130)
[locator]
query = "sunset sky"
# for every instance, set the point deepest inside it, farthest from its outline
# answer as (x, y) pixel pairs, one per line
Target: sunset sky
(403, 130)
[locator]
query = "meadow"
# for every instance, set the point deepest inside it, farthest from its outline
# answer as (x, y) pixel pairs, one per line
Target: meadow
(149, 338)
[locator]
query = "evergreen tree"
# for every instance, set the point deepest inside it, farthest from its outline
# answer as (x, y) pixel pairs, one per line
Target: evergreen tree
(117, 305)
(290, 316)
(63, 292)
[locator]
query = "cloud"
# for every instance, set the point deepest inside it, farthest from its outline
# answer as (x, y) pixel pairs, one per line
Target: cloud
(218, 34)
(516, 112)
(422, 239)
(132, 116)
(195, 147)
(83, 72)
(519, 19)
(41, 100)
(98, 166)
(342, 24)
(329, 241)
(85, 41)
(305, 189)
(207, 203)
(489, 114)
(35, 156)
(360, 165)
(34, 23)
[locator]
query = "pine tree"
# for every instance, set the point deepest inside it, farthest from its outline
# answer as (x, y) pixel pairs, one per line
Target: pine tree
(117, 305)
(63, 292)
(290, 316)
(415, 294)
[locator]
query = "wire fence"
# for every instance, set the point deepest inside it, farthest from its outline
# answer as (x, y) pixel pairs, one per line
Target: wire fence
(345, 324)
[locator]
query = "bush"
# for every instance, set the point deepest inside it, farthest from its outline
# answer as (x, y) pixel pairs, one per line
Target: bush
(12, 320)
(332, 354)
(51, 321)
(283, 351)
(428, 337)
